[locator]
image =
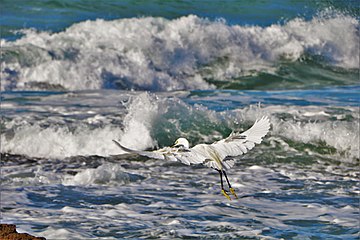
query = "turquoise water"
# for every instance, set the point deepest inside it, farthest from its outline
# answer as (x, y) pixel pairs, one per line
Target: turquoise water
(77, 74)
(58, 15)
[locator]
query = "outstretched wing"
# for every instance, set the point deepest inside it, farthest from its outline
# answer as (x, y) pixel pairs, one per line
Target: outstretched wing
(240, 143)
(185, 156)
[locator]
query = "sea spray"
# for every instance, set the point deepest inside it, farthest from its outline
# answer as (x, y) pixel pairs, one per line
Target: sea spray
(87, 137)
(142, 111)
(161, 55)
(141, 120)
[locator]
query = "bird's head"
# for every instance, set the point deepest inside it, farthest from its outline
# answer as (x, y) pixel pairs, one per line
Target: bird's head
(182, 142)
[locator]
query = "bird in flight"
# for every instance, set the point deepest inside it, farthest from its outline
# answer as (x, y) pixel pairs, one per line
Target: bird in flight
(218, 155)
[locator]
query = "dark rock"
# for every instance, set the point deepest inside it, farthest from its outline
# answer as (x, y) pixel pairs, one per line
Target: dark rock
(8, 232)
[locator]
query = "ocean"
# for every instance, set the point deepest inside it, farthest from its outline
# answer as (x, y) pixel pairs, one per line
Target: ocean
(77, 74)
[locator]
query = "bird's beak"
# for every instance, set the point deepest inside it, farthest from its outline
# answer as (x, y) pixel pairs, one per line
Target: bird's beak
(174, 144)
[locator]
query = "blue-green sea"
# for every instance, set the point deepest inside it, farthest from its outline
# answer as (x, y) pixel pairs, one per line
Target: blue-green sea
(76, 74)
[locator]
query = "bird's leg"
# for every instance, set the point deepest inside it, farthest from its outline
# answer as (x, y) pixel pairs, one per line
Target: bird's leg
(222, 186)
(230, 188)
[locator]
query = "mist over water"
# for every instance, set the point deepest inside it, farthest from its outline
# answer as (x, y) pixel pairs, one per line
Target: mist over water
(76, 75)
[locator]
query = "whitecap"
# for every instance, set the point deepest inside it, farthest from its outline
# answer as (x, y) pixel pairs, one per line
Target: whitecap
(104, 174)
(157, 54)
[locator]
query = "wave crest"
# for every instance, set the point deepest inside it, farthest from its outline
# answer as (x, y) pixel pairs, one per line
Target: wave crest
(161, 55)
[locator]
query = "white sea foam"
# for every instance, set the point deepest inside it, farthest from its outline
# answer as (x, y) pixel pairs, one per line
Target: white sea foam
(148, 119)
(158, 54)
(342, 136)
(61, 233)
(139, 121)
(169, 199)
(61, 141)
(148, 116)
(104, 174)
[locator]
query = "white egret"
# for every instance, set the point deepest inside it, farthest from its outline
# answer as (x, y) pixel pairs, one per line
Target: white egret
(218, 155)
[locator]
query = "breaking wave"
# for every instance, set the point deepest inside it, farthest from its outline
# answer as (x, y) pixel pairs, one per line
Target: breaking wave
(150, 121)
(161, 55)
(58, 140)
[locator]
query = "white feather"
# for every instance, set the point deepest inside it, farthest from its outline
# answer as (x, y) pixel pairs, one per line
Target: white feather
(217, 155)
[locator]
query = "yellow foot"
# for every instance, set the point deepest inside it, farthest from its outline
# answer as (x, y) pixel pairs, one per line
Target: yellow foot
(225, 194)
(233, 192)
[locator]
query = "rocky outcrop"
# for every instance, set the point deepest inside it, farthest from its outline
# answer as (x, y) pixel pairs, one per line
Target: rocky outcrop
(8, 232)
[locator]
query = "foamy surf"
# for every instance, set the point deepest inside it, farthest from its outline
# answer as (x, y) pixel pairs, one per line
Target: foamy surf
(92, 136)
(146, 121)
(182, 54)
(103, 175)
(67, 84)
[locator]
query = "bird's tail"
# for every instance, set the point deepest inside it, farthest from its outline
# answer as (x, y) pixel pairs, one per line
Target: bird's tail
(124, 148)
